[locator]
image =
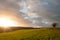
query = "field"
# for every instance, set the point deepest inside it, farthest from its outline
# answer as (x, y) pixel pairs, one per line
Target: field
(32, 34)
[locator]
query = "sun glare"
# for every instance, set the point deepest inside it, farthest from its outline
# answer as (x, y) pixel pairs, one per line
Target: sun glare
(5, 22)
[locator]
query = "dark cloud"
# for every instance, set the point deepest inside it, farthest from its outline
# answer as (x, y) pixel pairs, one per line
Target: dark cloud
(45, 9)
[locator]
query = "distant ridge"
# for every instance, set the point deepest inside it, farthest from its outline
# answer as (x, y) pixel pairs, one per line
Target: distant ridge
(12, 28)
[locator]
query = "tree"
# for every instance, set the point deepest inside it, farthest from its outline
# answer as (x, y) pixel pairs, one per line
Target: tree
(54, 24)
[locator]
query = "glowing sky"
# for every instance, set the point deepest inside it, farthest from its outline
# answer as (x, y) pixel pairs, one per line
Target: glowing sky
(32, 12)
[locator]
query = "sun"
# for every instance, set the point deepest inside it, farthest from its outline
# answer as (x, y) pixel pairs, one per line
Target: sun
(5, 22)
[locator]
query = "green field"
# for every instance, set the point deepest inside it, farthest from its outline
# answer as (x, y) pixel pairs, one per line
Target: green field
(32, 34)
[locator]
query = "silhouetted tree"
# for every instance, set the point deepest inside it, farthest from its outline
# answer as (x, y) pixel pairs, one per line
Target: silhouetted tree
(54, 24)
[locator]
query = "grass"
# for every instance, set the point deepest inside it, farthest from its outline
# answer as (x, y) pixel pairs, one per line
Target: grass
(32, 34)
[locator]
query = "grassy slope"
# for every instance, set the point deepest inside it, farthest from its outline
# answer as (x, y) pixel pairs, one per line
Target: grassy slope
(32, 34)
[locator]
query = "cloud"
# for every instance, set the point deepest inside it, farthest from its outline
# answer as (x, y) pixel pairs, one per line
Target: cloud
(33, 11)
(10, 9)
(45, 9)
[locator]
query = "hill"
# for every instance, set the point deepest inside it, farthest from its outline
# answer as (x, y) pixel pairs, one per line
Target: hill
(32, 34)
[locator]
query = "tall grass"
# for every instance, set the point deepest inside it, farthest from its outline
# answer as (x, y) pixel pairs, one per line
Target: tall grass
(32, 34)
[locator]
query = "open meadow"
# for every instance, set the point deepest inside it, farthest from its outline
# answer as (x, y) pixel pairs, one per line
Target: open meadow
(32, 34)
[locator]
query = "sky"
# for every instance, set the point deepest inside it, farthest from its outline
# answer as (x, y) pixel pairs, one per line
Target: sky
(32, 13)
